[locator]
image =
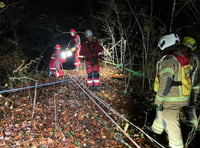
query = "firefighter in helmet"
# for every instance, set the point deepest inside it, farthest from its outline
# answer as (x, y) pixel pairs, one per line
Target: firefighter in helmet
(55, 62)
(92, 51)
(190, 45)
(75, 46)
(172, 86)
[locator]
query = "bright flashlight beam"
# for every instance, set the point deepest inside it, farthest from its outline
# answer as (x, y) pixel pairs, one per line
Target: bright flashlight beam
(65, 54)
(69, 53)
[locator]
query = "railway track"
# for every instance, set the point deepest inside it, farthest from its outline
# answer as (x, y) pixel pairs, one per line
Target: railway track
(116, 119)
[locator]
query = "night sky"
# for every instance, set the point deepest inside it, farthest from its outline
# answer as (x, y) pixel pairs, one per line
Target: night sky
(41, 19)
(65, 12)
(82, 8)
(59, 7)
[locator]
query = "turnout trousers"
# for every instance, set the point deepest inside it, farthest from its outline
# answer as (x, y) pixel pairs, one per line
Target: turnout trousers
(168, 121)
(77, 62)
(93, 73)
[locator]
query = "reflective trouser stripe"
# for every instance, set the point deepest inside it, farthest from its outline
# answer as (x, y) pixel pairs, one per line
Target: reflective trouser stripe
(96, 82)
(77, 63)
(157, 125)
(177, 144)
(90, 82)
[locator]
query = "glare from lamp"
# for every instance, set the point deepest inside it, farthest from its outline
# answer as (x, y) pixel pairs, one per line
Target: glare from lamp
(69, 53)
(63, 54)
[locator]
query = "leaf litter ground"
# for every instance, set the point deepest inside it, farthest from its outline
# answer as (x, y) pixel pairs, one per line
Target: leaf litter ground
(63, 116)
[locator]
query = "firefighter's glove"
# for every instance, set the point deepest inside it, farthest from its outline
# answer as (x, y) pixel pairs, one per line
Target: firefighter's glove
(73, 49)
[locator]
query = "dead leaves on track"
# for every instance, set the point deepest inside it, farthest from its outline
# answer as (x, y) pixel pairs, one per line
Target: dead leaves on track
(63, 116)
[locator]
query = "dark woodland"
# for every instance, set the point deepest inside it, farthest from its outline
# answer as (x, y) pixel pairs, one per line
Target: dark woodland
(65, 114)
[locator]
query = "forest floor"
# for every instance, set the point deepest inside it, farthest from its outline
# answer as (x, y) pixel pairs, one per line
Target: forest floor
(63, 115)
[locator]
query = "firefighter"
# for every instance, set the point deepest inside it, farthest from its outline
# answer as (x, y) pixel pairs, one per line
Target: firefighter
(190, 45)
(55, 62)
(75, 45)
(92, 51)
(172, 86)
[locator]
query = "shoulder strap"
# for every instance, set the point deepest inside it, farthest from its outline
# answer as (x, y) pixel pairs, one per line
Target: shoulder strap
(91, 51)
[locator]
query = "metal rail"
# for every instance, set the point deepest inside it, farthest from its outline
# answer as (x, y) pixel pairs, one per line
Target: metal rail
(111, 119)
(96, 98)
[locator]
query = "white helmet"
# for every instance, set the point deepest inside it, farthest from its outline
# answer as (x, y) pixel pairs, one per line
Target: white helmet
(88, 33)
(168, 41)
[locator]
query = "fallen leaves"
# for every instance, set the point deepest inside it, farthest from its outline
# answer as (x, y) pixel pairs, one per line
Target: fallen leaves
(65, 117)
(117, 76)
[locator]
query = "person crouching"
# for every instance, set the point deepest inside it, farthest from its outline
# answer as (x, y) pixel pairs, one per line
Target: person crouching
(55, 62)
